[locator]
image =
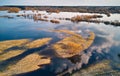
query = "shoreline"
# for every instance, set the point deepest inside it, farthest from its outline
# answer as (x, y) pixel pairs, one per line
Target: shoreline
(83, 9)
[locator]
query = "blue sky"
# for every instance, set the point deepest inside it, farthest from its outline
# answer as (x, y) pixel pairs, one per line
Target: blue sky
(62, 2)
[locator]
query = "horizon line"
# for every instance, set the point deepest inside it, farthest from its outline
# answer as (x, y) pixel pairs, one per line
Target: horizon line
(60, 5)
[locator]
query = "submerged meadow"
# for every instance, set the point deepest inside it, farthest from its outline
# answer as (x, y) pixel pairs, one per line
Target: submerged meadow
(59, 43)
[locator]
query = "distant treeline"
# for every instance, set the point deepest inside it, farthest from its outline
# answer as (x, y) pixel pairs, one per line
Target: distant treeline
(83, 9)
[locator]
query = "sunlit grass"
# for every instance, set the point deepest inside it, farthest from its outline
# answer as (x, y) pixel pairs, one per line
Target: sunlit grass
(73, 44)
(13, 10)
(20, 45)
(11, 43)
(84, 17)
(67, 47)
(28, 63)
(37, 43)
(68, 32)
(10, 54)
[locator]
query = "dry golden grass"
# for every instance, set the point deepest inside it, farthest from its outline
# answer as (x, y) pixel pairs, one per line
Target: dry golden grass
(41, 19)
(14, 10)
(68, 32)
(68, 48)
(38, 43)
(72, 45)
(102, 68)
(96, 67)
(55, 21)
(11, 43)
(10, 54)
(11, 9)
(84, 17)
(29, 63)
(53, 11)
(23, 43)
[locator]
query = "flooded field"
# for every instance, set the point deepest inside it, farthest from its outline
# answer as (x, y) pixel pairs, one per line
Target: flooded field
(36, 43)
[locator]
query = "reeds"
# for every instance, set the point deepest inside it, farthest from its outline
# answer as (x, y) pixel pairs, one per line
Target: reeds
(13, 10)
(55, 21)
(72, 45)
(13, 48)
(84, 17)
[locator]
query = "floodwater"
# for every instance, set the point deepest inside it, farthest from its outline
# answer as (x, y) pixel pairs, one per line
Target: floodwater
(106, 44)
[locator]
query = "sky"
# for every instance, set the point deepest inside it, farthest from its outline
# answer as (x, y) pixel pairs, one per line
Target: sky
(62, 2)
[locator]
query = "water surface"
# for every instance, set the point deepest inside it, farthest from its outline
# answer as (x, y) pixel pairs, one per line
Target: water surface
(105, 46)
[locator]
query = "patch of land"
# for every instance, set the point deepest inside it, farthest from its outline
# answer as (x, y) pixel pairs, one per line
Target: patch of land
(73, 44)
(20, 56)
(53, 9)
(102, 68)
(29, 63)
(92, 19)
(4, 45)
(11, 9)
(84, 9)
